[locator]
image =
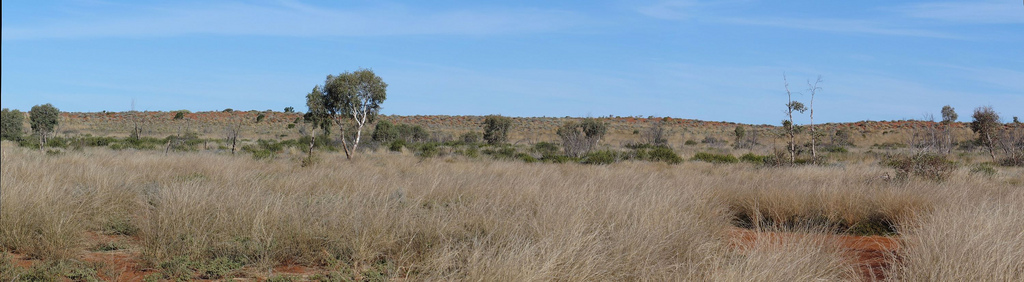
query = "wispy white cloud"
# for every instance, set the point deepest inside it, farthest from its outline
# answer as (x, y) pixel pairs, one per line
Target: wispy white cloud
(840, 26)
(727, 12)
(968, 12)
(293, 19)
(670, 10)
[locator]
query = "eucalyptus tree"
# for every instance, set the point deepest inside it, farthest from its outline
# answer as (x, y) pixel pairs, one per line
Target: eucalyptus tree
(351, 100)
(44, 120)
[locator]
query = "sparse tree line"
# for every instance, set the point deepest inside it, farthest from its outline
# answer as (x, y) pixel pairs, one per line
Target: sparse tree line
(342, 109)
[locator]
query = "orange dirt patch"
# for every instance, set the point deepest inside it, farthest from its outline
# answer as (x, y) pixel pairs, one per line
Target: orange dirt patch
(122, 265)
(871, 253)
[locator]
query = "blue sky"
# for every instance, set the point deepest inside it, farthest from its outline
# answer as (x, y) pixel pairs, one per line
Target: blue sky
(709, 60)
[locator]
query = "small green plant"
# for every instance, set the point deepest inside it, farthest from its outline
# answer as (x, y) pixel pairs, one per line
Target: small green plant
(602, 157)
(428, 150)
(108, 246)
(178, 268)
(526, 157)
(715, 158)
(663, 154)
(930, 166)
(690, 142)
(179, 115)
(546, 149)
(396, 146)
(984, 169)
(471, 137)
(753, 158)
(471, 151)
(217, 268)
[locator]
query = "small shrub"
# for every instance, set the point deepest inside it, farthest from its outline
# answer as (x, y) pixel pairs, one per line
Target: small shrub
(930, 166)
(507, 152)
(428, 150)
(754, 158)
(260, 117)
(179, 115)
(471, 137)
(715, 158)
(470, 151)
(713, 141)
(984, 169)
(546, 149)
(108, 246)
(663, 154)
(690, 142)
(217, 268)
(602, 157)
(1012, 161)
(179, 268)
(121, 226)
(889, 145)
(496, 129)
(228, 110)
(291, 125)
(397, 145)
(526, 157)
(558, 159)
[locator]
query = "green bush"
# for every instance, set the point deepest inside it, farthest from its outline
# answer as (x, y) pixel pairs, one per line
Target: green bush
(428, 150)
(260, 117)
(397, 145)
(11, 124)
(985, 169)
(496, 129)
(602, 157)
(690, 142)
(558, 159)
(715, 158)
(526, 157)
(753, 158)
(659, 154)
(930, 166)
(889, 145)
(470, 151)
(504, 152)
(471, 137)
(546, 149)
(217, 268)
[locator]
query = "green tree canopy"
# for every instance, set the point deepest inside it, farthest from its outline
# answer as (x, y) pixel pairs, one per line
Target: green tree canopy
(351, 96)
(44, 120)
(11, 124)
(496, 129)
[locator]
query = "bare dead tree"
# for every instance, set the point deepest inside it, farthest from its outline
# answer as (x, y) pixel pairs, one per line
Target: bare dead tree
(232, 131)
(813, 89)
(788, 125)
(655, 134)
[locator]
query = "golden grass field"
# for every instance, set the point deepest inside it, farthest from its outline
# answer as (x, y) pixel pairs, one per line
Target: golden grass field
(98, 213)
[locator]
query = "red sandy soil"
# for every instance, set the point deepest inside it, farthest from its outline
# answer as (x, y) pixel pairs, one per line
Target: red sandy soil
(870, 252)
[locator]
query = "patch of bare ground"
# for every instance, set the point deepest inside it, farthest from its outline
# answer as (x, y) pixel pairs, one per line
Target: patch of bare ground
(872, 255)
